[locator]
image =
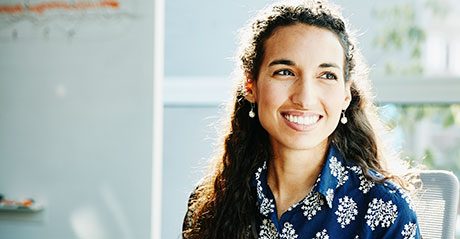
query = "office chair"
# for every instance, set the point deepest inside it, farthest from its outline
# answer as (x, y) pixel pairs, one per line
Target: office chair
(437, 204)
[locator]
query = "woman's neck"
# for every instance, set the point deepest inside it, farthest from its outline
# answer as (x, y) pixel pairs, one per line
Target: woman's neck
(292, 174)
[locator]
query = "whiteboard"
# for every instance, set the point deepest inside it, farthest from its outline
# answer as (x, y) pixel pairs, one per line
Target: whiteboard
(76, 90)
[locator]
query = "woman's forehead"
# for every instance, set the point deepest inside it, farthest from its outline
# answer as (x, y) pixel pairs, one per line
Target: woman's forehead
(301, 41)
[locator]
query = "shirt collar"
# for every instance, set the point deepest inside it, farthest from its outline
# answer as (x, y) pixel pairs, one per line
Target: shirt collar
(333, 175)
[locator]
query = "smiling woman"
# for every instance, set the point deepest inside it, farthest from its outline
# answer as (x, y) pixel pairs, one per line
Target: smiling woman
(299, 100)
(301, 155)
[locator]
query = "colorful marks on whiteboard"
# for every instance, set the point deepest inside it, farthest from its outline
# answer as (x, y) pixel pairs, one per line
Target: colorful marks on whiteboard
(66, 20)
(40, 8)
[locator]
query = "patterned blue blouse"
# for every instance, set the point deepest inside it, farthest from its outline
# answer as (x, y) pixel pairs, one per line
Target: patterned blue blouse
(341, 204)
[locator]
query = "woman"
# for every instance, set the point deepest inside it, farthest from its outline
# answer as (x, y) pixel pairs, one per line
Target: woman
(301, 156)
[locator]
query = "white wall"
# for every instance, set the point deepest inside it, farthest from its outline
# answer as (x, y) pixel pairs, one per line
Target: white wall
(200, 40)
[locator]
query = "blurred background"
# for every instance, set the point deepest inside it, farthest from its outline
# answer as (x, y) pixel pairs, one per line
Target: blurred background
(76, 102)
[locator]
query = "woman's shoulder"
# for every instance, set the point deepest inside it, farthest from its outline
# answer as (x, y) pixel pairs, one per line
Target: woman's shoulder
(392, 192)
(386, 190)
(387, 208)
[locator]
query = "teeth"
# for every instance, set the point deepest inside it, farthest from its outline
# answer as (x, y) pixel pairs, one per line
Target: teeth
(302, 120)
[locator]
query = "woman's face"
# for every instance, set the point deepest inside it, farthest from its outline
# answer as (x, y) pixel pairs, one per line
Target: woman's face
(300, 90)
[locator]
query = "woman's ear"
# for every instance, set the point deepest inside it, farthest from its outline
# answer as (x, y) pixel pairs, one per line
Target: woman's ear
(347, 99)
(249, 88)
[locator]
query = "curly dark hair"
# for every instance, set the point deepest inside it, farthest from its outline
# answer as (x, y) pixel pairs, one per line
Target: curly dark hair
(223, 205)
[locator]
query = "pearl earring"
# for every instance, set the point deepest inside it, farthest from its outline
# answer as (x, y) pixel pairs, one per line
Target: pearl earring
(252, 114)
(344, 119)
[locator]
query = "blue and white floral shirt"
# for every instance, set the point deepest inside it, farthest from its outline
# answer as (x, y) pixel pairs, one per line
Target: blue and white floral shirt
(341, 204)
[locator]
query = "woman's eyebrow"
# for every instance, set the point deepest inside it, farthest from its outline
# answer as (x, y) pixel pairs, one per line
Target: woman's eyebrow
(327, 65)
(291, 63)
(282, 62)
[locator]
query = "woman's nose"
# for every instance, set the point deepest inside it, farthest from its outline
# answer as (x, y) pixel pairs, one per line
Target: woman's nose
(305, 93)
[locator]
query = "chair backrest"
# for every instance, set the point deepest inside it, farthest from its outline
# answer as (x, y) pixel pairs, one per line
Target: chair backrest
(437, 204)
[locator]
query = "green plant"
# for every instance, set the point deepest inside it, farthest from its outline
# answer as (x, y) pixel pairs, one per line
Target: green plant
(402, 35)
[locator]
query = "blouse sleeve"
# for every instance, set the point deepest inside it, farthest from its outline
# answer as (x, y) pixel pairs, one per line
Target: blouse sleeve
(405, 226)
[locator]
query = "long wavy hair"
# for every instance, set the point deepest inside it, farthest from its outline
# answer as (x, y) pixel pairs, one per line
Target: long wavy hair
(223, 205)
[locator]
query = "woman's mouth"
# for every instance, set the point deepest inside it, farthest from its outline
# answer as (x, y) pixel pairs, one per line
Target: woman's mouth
(301, 122)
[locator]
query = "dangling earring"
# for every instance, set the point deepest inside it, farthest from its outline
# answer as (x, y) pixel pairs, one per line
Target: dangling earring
(344, 119)
(252, 114)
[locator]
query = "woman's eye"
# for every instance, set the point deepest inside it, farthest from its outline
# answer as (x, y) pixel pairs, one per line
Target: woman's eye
(329, 76)
(284, 73)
